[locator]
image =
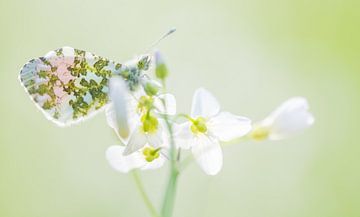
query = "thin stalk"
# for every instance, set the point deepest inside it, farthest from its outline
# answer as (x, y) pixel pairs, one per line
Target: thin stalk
(169, 198)
(178, 158)
(170, 193)
(143, 194)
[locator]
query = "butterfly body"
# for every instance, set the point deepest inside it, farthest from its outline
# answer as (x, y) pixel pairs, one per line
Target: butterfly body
(69, 85)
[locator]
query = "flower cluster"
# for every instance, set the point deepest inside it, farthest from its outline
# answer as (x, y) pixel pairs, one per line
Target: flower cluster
(141, 117)
(70, 85)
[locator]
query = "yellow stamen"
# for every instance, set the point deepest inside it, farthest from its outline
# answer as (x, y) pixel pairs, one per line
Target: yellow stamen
(259, 133)
(151, 153)
(198, 125)
(145, 104)
(150, 123)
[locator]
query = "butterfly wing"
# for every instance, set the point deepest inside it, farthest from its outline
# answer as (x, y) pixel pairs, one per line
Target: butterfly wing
(68, 85)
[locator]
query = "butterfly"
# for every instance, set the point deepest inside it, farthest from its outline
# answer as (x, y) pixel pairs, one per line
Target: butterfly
(70, 85)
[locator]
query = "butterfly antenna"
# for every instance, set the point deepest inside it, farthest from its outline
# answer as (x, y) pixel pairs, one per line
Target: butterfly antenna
(172, 30)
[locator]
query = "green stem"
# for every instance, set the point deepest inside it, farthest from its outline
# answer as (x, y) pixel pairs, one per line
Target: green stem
(169, 197)
(143, 194)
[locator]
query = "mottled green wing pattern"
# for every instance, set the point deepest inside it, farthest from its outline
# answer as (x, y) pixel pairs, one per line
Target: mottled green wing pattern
(69, 85)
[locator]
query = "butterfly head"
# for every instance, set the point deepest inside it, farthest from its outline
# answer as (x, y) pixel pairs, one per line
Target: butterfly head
(135, 70)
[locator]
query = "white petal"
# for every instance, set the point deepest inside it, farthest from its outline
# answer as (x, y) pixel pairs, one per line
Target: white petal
(137, 141)
(170, 102)
(165, 133)
(121, 163)
(288, 119)
(183, 135)
(111, 116)
(208, 154)
(204, 104)
(133, 120)
(117, 111)
(226, 126)
(155, 164)
(155, 139)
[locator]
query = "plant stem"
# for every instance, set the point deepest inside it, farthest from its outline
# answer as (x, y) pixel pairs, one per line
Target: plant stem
(169, 198)
(170, 193)
(144, 196)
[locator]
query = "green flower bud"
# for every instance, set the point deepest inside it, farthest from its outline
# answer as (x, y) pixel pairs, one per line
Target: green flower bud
(151, 89)
(161, 70)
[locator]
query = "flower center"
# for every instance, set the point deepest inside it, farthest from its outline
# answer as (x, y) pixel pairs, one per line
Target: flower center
(145, 103)
(260, 133)
(150, 123)
(198, 125)
(151, 153)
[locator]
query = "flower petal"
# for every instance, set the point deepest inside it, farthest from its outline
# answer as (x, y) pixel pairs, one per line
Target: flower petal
(226, 126)
(289, 118)
(137, 141)
(183, 135)
(117, 111)
(155, 164)
(121, 163)
(155, 139)
(111, 117)
(204, 104)
(170, 102)
(208, 154)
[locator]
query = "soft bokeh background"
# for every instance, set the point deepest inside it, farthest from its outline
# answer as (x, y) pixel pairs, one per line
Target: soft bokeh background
(252, 54)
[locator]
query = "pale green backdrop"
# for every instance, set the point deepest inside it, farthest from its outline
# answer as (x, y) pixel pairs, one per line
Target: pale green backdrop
(252, 54)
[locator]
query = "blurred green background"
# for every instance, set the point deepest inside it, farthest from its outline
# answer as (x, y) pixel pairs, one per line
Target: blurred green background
(252, 54)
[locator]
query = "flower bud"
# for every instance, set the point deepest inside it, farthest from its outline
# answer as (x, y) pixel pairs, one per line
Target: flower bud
(151, 88)
(161, 70)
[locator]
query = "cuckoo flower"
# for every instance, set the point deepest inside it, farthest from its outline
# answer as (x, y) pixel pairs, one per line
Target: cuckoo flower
(141, 112)
(289, 118)
(144, 159)
(206, 128)
(146, 146)
(149, 127)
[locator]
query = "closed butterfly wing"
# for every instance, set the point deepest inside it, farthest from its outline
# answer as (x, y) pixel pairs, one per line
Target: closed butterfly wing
(68, 85)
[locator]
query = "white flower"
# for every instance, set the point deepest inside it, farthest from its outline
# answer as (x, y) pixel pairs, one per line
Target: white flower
(207, 127)
(170, 102)
(149, 128)
(149, 131)
(145, 127)
(289, 118)
(144, 159)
